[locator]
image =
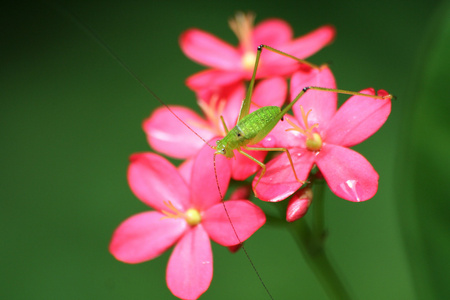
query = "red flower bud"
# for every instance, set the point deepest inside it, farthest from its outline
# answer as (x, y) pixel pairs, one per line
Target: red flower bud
(299, 204)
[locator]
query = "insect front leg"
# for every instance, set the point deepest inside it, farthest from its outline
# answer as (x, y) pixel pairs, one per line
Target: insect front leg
(263, 166)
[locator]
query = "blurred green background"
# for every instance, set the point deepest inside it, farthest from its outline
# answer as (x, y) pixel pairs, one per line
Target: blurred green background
(71, 116)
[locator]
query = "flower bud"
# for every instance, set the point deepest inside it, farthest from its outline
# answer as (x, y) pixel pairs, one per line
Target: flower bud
(299, 204)
(235, 248)
(240, 193)
(318, 175)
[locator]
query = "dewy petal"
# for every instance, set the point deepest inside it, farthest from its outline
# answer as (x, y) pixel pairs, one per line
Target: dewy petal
(213, 78)
(204, 190)
(145, 236)
(190, 267)
(272, 32)
(279, 181)
(348, 174)
(245, 216)
(153, 179)
(209, 50)
(311, 42)
(322, 104)
(270, 92)
(168, 135)
(357, 119)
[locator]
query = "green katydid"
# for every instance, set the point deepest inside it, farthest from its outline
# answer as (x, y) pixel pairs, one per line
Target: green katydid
(134, 75)
(252, 128)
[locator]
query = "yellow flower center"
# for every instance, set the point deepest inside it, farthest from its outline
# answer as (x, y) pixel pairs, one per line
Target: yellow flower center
(248, 60)
(192, 216)
(314, 143)
(313, 139)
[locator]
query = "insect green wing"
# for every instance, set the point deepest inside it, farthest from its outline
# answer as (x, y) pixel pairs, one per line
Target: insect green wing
(259, 123)
(249, 131)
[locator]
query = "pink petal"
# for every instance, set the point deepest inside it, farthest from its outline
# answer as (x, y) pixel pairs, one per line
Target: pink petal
(270, 92)
(229, 92)
(211, 78)
(233, 98)
(274, 64)
(145, 236)
(322, 104)
(280, 137)
(153, 179)
(348, 174)
(310, 43)
(245, 216)
(271, 32)
(185, 170)
(279, 181)
(168, 135)
(190, 267)
(204, 189)
(209, 50)
(243, 167)
(357, 119)
(241, 192)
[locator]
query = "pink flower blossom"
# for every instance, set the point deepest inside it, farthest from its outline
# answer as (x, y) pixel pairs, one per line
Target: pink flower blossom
(319, 135)
(232, 64)
(168, 135)
(188, 213)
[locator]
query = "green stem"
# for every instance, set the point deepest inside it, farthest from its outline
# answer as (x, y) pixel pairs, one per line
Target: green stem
(318, 209)
(311, 242)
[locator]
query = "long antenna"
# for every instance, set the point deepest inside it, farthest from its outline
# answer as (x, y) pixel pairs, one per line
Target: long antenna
(89, 31)
(235, 232)
(105, 46)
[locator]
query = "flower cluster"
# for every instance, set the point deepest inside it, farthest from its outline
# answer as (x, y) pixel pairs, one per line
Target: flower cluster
(189, 208)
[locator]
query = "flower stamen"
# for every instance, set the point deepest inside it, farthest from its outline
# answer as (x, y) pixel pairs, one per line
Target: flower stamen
(192, 216)
(174, 213)
(242, 26)
(294, 127)
(313, 139)
(212, 110)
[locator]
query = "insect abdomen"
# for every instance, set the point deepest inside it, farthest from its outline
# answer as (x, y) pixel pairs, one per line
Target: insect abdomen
(255, 126)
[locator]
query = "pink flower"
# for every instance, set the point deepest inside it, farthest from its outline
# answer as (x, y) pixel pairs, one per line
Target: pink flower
(188, 213)
(168, 135)
(232, 64)
(319, 135)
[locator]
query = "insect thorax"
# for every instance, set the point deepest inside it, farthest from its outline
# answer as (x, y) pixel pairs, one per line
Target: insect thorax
(250, 130)
(259, 123)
